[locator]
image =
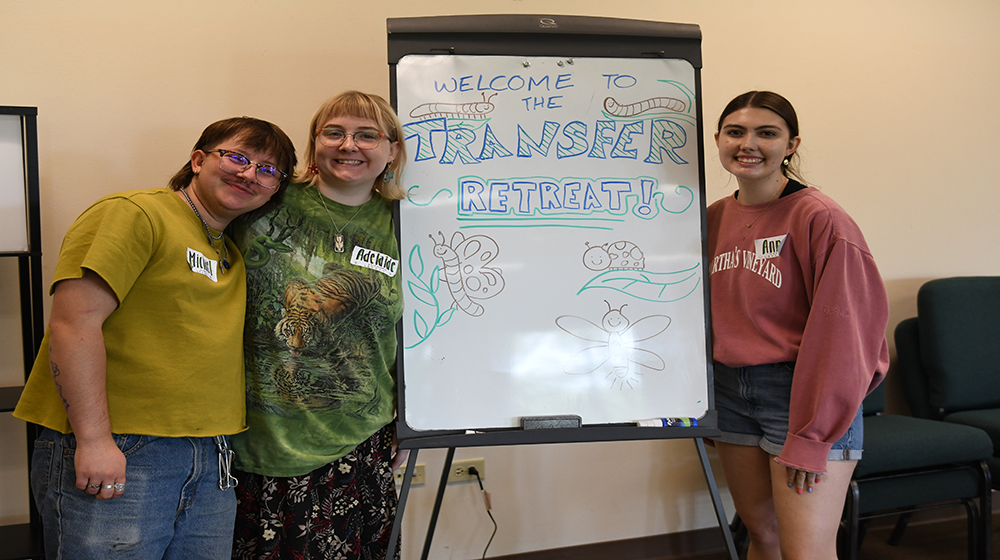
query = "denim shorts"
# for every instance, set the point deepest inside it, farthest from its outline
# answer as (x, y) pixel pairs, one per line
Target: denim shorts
(752, 405)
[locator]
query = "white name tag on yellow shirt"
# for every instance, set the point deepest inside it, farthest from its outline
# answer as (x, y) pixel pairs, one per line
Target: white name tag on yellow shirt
(201, 264)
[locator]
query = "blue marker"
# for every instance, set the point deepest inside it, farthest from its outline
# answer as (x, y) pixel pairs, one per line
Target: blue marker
(668, 422)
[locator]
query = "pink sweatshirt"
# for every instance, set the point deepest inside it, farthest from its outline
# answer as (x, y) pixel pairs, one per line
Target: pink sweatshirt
(800, 285)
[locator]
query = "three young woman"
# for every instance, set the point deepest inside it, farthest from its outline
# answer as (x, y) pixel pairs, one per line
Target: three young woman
(799, 313)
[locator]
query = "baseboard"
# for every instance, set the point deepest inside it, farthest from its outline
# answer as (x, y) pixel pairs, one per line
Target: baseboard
(656, 547)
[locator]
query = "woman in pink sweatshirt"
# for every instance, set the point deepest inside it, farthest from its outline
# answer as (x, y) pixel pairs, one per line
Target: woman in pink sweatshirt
(799, 313)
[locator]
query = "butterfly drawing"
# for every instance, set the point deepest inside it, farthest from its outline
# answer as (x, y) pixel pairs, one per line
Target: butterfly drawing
(466, 269)
(616, 337)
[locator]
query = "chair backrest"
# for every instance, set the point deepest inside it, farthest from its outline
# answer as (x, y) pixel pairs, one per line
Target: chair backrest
(911, 371)
(874, 403)
(959, 332)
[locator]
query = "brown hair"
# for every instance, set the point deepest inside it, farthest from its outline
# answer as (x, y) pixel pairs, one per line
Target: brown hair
(364, 106)
(777, 105)
(254, 134)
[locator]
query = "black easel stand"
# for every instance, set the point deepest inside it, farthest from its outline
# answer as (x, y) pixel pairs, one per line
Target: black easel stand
(525, 35)
(514, 437)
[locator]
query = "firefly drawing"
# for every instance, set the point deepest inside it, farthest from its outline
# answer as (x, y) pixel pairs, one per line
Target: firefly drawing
(617, 348)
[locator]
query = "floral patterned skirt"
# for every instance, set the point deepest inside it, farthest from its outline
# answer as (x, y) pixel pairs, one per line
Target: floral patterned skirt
(340, 511)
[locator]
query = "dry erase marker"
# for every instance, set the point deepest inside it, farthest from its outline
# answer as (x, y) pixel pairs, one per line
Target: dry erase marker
(667, 422)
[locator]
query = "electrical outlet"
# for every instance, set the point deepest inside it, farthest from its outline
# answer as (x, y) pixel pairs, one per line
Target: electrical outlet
(460, 470)
(418, 474)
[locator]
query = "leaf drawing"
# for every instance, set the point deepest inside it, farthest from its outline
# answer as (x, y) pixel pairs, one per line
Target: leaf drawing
(649, 286)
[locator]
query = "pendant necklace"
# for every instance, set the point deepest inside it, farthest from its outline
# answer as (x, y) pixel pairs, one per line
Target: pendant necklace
(338, 237)
(739, 208)
(224, 256)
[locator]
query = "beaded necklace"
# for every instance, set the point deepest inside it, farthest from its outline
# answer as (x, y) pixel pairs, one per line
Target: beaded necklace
(224, 256)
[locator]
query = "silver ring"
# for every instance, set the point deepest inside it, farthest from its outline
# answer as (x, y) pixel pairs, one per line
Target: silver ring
(119, 487)
(94, 486)
(109, 486)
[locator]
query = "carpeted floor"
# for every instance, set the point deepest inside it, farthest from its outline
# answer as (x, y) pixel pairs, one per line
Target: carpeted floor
(922, 540)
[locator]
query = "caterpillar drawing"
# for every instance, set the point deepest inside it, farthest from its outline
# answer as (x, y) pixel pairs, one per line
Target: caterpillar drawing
(632, 109)
(475, 110)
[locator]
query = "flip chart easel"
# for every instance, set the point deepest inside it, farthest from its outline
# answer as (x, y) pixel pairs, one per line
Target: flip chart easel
(553, 242)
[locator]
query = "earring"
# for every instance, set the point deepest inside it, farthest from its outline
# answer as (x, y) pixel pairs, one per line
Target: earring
(786, 161)
(388, 176)
(313, 169)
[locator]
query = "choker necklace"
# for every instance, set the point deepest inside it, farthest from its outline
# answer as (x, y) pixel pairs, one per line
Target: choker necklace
(739, 208)
(208, 233)
(338, 238)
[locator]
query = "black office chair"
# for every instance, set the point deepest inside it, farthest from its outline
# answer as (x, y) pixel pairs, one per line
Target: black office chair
(914, 464)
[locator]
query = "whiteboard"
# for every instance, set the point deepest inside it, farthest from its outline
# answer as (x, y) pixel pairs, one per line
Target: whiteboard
(13, 204)
(551, 245)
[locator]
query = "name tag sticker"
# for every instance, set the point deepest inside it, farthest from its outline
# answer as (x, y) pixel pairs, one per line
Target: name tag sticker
(201, 264)
(374, 260)
(769, 247)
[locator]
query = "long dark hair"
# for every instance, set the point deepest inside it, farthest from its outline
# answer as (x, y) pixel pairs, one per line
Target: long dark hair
(777, 105)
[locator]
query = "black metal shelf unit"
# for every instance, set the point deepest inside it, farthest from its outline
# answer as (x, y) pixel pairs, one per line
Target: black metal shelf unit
(23, 541)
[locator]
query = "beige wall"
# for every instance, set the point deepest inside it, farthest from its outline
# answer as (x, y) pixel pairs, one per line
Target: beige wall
(895, 99)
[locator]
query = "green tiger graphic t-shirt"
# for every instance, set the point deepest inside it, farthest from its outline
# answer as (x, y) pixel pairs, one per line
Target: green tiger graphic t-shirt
(320, 337)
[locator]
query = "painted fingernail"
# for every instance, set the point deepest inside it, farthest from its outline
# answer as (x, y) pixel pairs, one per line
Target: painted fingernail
(800, 490)
(810, 489)
(789, 484)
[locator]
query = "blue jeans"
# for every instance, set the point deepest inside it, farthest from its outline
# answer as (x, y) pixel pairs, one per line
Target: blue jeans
(172, 507)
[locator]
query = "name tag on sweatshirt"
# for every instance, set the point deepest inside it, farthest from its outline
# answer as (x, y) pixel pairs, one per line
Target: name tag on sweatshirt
(769, 247)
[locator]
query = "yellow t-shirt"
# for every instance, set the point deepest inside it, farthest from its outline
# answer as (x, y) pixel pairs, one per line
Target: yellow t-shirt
(175, 342)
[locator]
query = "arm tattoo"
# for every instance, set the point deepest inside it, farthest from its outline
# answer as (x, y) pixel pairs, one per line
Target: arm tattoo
(55, 377)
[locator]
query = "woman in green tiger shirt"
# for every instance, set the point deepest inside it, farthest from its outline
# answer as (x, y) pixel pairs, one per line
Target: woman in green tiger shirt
(324, 297)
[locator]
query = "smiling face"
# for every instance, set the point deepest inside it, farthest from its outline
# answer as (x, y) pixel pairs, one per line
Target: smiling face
(752, 143)
(614, 321)
(346, 168)
(224, 196)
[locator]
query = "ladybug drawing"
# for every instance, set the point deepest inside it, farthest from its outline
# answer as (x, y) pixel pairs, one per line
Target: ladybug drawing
(617, 255)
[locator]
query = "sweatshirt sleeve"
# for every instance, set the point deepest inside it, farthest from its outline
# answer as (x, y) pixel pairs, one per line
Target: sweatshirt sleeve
(843, 354)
